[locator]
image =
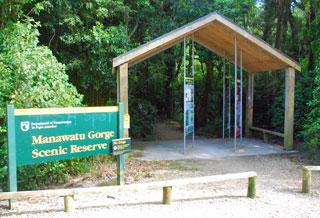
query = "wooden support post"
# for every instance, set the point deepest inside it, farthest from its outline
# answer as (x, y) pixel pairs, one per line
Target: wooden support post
(289, 109)
(167, 191)
(306, 180)
(68, 203)
(252, 187)
(249, 104)
(123, 91)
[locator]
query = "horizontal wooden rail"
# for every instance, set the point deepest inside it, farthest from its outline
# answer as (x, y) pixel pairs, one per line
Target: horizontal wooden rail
(267, 131)
(312, 168)
(69, 194)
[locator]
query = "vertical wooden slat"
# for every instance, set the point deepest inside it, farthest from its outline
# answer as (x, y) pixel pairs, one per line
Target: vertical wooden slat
(123, 91)
(249, 104)
(289, 109)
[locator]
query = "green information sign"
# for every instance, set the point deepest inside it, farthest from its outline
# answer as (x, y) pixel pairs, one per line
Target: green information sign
(121, 146)
(51, 134)
(44, 135)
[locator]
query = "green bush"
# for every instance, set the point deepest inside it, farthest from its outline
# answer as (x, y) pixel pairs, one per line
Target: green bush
(31, 77)
(311, 131)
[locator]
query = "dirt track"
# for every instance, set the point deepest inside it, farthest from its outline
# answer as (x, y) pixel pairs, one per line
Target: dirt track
(278, 191)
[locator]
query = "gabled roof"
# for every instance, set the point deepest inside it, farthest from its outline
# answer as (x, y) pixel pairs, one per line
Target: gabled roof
(216, 33)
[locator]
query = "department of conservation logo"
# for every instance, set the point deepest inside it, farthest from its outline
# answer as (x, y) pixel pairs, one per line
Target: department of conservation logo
(25, 125)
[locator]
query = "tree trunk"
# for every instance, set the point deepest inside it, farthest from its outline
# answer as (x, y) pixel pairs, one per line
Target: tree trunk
(294, 35)
(311, 17)
(268, 19)
(170, 63)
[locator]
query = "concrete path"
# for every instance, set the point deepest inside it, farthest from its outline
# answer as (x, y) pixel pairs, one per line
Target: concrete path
(204, 148)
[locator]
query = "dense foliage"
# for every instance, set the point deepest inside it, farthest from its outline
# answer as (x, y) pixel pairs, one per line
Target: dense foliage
(86, 35)
(311, 131)
(32, 77)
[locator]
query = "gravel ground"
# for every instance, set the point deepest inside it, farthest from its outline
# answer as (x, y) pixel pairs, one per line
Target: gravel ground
(278, 194)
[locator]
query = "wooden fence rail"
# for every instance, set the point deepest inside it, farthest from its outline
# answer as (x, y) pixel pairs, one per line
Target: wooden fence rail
(167, 185)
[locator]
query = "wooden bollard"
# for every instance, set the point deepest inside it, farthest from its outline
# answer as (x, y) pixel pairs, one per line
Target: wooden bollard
(167, 191)
(306, 180)
(251, 187)
(12, 204)
(68, 203)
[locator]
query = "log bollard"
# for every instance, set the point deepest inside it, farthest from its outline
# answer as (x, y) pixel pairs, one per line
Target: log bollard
(167, 191)
(68, 203)
(251, 187)
(306, 180)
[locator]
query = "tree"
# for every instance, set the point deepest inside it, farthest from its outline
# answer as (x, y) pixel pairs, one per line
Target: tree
(85, 36)
(31, 77)
(311, 131)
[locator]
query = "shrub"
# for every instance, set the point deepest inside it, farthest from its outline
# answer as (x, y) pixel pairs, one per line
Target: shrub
(32, 77)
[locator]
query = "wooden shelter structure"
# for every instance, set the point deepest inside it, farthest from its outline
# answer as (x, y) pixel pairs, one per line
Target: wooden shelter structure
(226, 39)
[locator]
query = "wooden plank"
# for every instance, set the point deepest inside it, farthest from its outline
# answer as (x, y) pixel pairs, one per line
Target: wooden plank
(312, 168)
(160, 49)
(289, 109)
(133, 187)
(259, 42)
(164, 40)
(225, 37)
(216, 50)
(123, 91)
(259, 59)
(252, 62)
(249, 104)
(267, 131)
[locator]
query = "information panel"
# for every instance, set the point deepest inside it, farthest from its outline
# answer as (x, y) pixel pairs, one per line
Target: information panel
(43, 135)
(189, 110)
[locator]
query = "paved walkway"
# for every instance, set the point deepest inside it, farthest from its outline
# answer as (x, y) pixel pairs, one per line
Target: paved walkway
(204, 148)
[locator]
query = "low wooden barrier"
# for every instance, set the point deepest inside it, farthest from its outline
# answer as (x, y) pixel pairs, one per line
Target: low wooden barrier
(306, 177)
(69, 194)
(265, 132)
